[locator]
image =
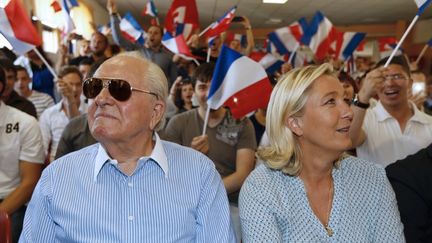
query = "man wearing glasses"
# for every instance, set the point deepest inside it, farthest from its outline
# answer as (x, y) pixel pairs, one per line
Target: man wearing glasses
(394, 128)
(131, 186)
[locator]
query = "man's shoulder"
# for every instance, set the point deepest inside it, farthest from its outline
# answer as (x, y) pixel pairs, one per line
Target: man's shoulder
(51, 110)
(79, 158)
(40, 97)
(15, 115)
(185, 117)
(413, 165)
(185, 155)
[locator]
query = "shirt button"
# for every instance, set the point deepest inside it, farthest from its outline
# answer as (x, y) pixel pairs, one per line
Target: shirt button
(130, 184)
(130, 217)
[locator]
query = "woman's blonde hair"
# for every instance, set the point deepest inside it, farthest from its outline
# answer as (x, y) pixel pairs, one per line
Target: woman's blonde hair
(288, 99)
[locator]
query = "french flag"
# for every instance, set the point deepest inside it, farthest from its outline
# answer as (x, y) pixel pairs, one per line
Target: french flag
(429, 43)
(16, 27)
(177, 45)
(422, 5)
(182, 18)
(150, 9)
(131, 29)
(319, 35)
(221, 25)
(268, 61)
(286, 39)
(67, 5)
(347, 43)
(239, 83)
(234, 36)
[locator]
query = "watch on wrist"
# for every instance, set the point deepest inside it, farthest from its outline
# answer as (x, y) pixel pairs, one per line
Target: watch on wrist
(358, 103)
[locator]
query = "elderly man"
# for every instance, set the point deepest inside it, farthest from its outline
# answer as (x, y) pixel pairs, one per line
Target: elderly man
(394, 128)
(131, 186)
(21, 159)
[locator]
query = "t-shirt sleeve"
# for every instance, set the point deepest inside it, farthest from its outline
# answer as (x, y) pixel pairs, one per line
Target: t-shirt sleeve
(173, 130)
(247, 136)
(31, 142)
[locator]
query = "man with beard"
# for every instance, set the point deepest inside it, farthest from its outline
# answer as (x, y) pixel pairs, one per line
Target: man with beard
(152, 48)
(98, 45)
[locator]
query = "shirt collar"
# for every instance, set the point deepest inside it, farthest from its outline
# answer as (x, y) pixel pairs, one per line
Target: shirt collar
(158, 155)
(418, 116)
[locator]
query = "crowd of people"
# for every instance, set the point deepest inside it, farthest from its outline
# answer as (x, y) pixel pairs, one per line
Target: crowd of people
(111, 149)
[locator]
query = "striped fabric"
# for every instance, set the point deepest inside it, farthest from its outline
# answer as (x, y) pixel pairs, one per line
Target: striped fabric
(184, 202)
(41, 101)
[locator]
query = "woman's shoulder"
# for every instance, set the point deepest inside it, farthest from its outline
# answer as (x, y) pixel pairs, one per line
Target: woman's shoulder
(264, 177)
(361, 171)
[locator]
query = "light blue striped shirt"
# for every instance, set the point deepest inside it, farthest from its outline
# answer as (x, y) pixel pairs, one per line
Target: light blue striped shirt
(174, 195)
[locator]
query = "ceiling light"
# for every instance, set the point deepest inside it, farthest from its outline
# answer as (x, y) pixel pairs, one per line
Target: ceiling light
(275, 1)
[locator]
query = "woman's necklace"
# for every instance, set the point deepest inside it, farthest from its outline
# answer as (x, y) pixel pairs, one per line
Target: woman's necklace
(326, 225)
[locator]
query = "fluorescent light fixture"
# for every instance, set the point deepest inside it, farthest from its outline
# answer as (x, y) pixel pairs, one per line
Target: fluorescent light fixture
(275, 1)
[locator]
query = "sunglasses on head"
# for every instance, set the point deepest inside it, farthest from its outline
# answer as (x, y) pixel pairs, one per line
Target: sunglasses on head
(119, 89)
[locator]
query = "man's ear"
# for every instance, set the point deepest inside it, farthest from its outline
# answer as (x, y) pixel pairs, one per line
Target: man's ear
(157, 114)
(294, 124)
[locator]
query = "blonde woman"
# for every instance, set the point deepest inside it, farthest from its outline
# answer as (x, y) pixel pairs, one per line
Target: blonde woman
(307, 191)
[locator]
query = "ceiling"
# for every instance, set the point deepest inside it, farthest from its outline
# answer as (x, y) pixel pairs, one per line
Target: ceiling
(340, 12)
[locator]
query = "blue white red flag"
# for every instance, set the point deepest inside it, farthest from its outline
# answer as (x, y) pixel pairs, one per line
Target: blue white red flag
(16, 27)
(235, 36)
(67, 6)
(347, 43)
(239, 83)
(131, 29)
(150, 9)
(221, 25)
(430, 43)
(422, 5)
(182, 18)
(286, 39)
(319, 35)
(268, 61)
(177, 45)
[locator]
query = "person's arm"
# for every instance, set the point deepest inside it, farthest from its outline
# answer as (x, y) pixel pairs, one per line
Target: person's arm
(256, 215)
(29, 176)
(115, 29)
(371, 84)
(245, 163)
(249, 36)
(44, 124)
(64, 145)
(69, 104)
(213, 221)
(39, 226)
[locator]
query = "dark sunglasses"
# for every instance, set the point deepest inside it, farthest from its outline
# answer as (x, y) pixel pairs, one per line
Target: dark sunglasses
(119, 89)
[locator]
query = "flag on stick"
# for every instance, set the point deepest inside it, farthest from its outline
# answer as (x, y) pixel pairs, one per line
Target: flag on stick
(239, 83)
(17, 28)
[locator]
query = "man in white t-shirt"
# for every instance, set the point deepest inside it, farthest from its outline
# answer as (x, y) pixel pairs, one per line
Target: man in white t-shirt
(394, 128)
(21, 159)
(54, 119)
(41, 101)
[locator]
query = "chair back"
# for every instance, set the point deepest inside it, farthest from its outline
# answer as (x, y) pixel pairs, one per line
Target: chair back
(5, 228)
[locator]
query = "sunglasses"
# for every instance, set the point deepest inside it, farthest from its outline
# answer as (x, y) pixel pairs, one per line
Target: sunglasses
(119, 89)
